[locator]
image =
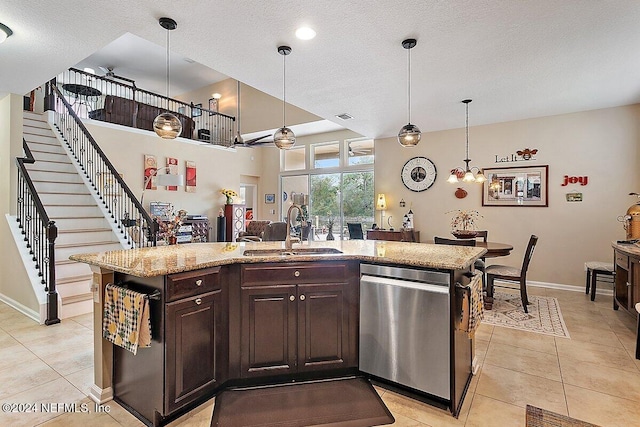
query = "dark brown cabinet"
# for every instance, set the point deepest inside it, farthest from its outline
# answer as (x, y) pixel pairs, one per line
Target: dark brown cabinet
(194, 342)
(626, 293)
(298, 317)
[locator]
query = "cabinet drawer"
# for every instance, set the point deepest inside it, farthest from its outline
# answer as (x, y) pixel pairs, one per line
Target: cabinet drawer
(622, 260)
(316, 272)
(191, 283)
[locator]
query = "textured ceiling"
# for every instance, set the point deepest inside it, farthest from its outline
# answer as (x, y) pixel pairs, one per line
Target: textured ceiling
(515, 59)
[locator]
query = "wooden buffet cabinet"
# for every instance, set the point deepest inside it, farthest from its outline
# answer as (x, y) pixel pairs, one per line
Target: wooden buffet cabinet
(391, 235)
(237, 322)
(626, 292)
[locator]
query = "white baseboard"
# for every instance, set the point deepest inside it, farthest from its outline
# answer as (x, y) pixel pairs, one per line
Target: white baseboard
(30, 313)
(572, 288)
(100, 395)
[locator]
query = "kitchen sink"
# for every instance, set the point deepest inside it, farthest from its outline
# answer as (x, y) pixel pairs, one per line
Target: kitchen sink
(295, 251)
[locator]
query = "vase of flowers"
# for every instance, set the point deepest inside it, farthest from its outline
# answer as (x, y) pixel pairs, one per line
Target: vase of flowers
(230, 194)
(463, 223)
(169, 229)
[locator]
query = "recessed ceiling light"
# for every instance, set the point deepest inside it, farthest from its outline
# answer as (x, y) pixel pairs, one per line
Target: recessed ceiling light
(305, 33)
(6, 32)
(344, 116)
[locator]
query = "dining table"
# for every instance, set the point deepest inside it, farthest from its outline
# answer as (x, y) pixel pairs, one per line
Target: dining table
(495, 249)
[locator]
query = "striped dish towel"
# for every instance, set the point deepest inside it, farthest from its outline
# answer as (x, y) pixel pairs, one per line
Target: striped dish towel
(126, 320)
(472, 306)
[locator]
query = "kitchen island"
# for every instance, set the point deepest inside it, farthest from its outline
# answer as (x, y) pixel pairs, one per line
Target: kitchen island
(224, 318)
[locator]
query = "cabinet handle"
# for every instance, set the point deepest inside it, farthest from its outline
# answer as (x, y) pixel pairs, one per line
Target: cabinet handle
(199, 282)
(302, 297)
(199, 301)
(628, 284)
(292, 298)
(296, 273)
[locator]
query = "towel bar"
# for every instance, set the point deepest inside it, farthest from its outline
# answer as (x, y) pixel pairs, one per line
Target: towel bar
(155, 295)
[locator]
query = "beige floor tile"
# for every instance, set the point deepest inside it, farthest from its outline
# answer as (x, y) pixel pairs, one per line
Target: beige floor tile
(419, 411)
(524, 360)
(14, 353)
(24, 376)
(82, 420)
(614, 357)
(85, 320)
(39, 333)
(585, 334)
(537, 291)
(487, 412)
(522, 339)
(52, 392)
(200, 416)
(54, 344)
(627, 340)
(484, 331)
(10, 321)
(520, 389)
(601, 409)
(602, 379)
(82, 380)
(402, 421)
(122, 416)
(65, 362)
(480, 349)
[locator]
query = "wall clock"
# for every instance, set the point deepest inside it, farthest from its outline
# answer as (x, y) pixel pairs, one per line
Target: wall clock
(419, 174)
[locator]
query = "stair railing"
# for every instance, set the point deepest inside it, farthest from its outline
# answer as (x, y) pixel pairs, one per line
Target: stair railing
(134, 223)
(39, 233)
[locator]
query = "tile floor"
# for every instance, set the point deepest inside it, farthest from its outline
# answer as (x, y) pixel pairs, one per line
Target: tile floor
(593, 376)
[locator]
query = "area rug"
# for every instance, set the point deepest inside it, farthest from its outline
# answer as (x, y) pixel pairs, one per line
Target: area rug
(537, 417)
(348, 402)
(544, 315)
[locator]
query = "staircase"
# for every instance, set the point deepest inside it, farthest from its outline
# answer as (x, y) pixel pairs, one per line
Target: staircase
(82, 226)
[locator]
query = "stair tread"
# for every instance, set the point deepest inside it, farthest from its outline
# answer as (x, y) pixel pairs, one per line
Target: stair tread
(76, 298)
(62, 192)
(35, 169)
(72, 279)
(54, 161)
(83, 230)
(83, 244)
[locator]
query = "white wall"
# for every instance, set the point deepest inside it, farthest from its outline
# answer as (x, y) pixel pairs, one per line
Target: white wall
(600, 144)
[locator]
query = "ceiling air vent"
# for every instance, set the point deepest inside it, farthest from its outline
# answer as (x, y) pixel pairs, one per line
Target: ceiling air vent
(344, 116)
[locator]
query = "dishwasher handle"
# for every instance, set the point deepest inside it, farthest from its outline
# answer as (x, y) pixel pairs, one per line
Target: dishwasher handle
(428, 287)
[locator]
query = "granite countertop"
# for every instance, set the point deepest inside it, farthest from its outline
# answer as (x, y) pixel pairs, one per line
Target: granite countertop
(161, 260)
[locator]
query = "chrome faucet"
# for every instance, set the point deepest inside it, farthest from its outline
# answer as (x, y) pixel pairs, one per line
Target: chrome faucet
(287, 241)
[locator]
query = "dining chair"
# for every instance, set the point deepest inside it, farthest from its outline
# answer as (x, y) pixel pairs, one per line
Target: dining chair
(355, 231)
(482, 234)
(512, 274)
(276, 231)
(478, 264)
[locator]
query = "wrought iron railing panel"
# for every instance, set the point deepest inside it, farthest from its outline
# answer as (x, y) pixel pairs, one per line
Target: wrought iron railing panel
(117, 100)
(131, 219)
(39, 233)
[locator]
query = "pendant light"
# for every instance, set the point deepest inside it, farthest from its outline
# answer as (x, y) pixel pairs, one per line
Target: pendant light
(284, 138)
(409, 135)
(238, 139)
(466, 173)
(166, 124)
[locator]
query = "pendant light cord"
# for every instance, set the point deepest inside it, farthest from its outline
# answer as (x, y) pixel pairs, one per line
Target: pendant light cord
(168, 68)
(409, 88)
(284, 90)
(467, 126)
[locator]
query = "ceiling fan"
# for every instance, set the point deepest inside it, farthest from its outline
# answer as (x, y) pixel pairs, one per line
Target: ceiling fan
(358, 150)
(253, 142)
(109, 74)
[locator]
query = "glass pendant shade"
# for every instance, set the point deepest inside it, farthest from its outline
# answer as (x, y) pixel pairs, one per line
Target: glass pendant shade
(468, 177)
(409, 135)
(284, 138)
(167, 126)
(480, 177)
(453, 178)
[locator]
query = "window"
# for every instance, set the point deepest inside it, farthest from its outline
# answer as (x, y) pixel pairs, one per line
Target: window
(326, 155)
(294, 159)
(360, 151)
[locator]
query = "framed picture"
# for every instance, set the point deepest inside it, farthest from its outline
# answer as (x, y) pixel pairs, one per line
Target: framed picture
(196, 111)
(269, 198)
(516, 186)
(213, 106)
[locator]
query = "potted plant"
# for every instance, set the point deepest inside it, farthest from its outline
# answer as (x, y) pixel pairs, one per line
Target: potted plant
(463, 223)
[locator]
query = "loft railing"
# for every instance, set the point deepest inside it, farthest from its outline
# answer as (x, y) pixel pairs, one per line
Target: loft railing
(133, 221)
(39, 233)
(118, 100)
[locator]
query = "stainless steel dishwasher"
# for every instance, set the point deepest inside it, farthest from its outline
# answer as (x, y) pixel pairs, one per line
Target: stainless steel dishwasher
(405, 327)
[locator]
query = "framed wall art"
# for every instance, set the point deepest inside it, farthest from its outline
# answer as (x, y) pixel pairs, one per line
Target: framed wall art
(213, 106)
(196, 111)
(269, 198)
(516, 186)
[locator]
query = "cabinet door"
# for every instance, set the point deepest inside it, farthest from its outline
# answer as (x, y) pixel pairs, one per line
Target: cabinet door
(633, 293)
(323, 332)
(268, 332)
(194, 342)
